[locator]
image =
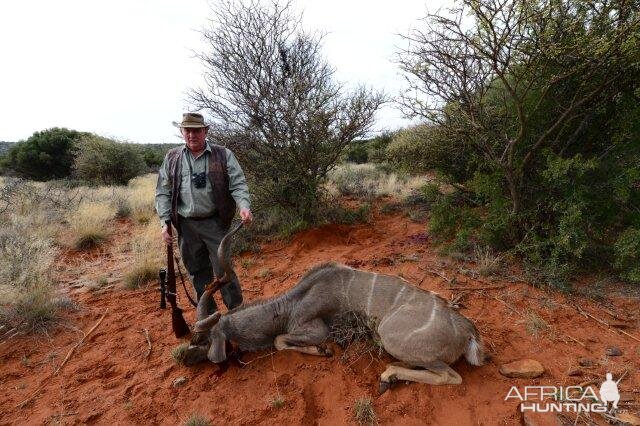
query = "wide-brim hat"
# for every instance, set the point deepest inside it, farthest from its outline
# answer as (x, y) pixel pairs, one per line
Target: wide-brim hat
(191, 119)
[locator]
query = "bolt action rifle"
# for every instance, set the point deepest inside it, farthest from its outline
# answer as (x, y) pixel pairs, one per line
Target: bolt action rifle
(168, 292)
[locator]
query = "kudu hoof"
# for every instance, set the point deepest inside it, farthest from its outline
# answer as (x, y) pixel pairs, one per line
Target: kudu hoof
(325, 351)
(385, 385)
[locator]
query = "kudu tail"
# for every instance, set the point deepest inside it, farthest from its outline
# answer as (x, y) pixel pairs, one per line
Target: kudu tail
(474, 353)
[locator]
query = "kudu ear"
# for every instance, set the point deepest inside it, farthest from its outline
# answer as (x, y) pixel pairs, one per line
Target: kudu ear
(218, 350)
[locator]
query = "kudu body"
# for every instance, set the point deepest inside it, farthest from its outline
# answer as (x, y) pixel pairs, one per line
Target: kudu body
(415, 326)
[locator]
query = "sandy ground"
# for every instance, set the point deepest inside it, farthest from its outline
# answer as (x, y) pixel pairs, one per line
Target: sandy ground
(110, 379)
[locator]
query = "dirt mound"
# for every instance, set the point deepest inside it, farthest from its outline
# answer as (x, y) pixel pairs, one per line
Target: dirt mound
(112, 378)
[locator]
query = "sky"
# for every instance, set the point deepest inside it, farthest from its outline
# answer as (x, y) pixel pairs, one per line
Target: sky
(122, 68)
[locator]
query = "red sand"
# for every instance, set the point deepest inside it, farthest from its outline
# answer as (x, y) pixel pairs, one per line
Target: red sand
(108, 380)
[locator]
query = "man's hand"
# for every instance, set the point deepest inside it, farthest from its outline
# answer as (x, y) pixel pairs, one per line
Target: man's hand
(246, 216)
(165, 234)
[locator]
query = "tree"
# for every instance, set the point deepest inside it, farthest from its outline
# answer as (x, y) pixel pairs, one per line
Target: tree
(269, 89)
(106, 162)
(45, 155)
(543, 98)
(490, 69)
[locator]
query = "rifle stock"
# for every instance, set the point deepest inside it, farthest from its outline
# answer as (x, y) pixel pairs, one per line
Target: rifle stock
(178, 324)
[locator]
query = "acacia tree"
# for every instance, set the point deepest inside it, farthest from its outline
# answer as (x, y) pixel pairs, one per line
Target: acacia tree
(513, 77)
(274, 97)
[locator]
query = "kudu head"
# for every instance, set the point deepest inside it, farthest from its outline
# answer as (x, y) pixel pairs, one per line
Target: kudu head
(208, 339)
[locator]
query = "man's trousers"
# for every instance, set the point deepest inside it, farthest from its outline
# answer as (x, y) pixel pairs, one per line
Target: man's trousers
(199, 240)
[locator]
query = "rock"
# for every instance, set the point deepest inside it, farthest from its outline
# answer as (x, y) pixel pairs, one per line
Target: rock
(628, 418)
(613, 351)
(180, 381)
(585, 362)
(540, 419)
(522, 369)
(575, 371)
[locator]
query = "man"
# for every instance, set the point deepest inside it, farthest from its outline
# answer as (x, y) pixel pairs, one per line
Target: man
(199, 186)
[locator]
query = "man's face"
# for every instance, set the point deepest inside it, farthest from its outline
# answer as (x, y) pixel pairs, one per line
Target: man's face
(194, 137)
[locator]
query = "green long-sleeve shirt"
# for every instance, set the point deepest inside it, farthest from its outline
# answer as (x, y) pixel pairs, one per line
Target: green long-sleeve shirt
(198, 202)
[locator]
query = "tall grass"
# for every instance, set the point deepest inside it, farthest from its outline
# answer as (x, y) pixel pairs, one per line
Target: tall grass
(27, 254)
(89, 224)
(141, 196)
(369, 181)
(147, 253)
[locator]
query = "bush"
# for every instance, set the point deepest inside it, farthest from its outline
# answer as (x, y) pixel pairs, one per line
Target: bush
(45, 155)
(627, 255)
(356, 152)
(26, 261)
(554, 170)
(106, 162)
(360, 181)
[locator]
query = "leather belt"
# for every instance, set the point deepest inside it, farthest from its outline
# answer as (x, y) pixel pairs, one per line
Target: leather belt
(199, 218)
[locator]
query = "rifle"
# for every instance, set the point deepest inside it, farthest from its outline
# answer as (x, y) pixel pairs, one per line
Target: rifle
(178, 324)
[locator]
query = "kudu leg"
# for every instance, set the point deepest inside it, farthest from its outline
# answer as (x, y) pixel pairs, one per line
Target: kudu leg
(308, 338)
(434, 373)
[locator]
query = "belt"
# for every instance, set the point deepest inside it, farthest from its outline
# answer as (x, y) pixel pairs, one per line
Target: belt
(200, 218)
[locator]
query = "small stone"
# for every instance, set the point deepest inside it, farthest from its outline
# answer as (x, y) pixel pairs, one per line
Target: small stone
(585, 362)
(575, 371)
(628, 418)
(522, 369)
(613, 351)
(180, 381)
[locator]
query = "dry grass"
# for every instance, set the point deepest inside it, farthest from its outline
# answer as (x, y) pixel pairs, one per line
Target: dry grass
(34, 214)
(178, 353)
(357, 335)
(364, 413)
(368, 182)
(487, 263)
(197, 420)
(141, 198)
(534, 324)
(27, 292)
(90, 224)
(147, 253)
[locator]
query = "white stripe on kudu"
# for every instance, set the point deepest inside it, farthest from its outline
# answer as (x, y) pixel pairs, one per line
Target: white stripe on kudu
(428, 323)
(395, 301)
(373, 283)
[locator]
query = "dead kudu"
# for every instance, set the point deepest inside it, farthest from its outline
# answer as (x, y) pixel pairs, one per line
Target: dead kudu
(415, 326)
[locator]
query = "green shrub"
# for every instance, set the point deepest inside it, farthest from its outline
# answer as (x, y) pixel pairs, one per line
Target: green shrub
(45, 155)
(539, 159)
(356, 152)
(106, 162)
(627, 254)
